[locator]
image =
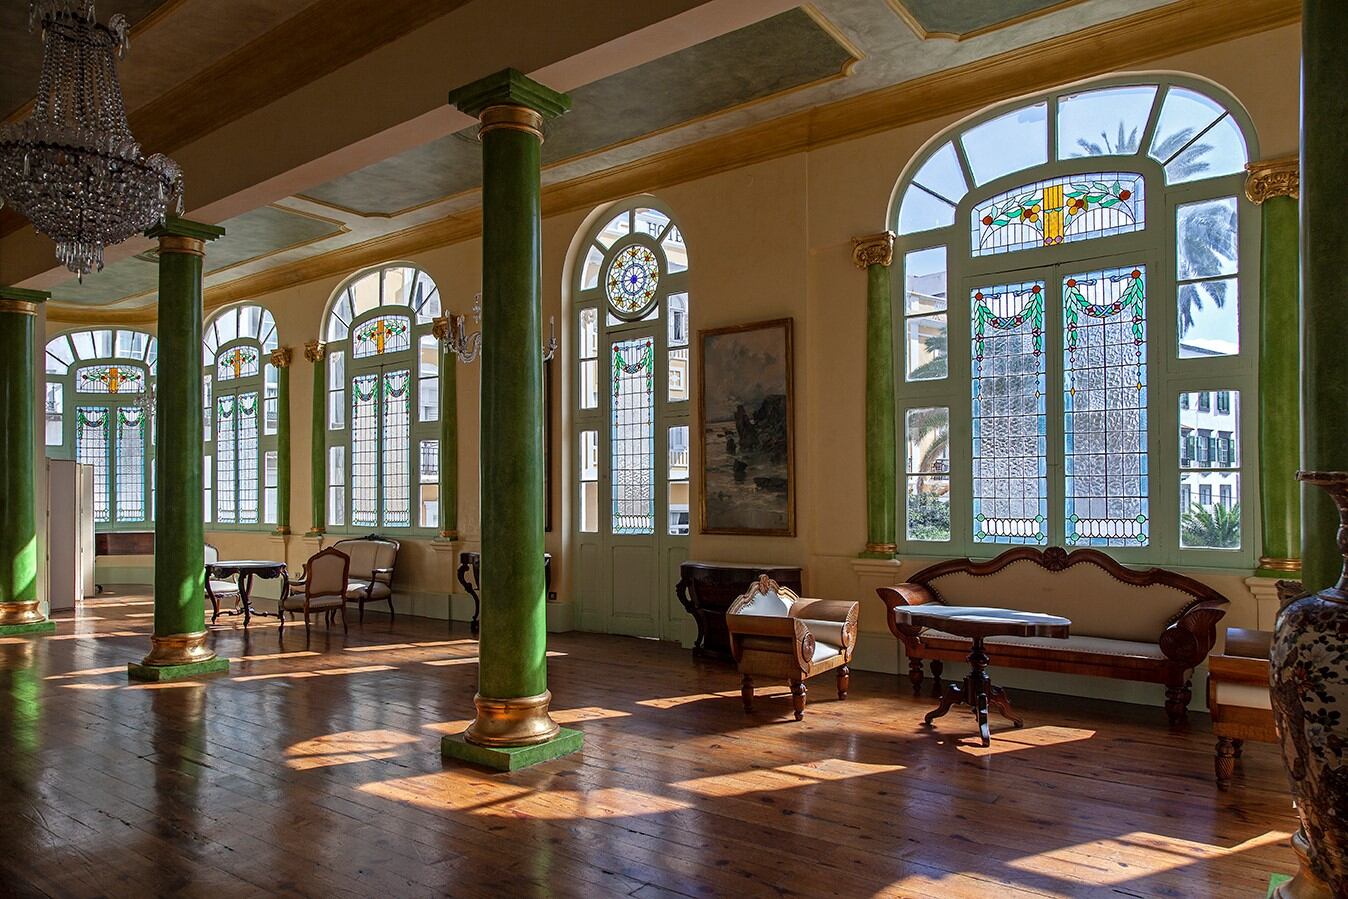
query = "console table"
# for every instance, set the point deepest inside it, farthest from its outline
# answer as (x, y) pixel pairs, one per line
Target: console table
(471, 563)
(706, 590)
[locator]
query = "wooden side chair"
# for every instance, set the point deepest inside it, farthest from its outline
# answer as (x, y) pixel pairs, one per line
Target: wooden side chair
(321, 588)
(1239, 699)
(775, 633)
(219, 589)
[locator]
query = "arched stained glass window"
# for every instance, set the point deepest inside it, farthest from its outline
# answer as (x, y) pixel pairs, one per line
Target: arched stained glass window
(240, 417)
(383, 375)
(631, 368)
(1078, 274)
(95, 414)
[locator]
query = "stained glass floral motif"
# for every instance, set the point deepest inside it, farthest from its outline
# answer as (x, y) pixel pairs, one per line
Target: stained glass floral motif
(1105, 408)
(240, 362)
(385, 334)
(1010, 447)
(633, 436)
(395, 477)
(1059, 210)
(226, 459)
(109, 379)
(632, 279)
(92, 438)
(130, 456)
(365, 451)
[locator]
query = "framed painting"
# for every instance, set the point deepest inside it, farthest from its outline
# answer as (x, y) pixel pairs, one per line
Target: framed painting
(746, 419)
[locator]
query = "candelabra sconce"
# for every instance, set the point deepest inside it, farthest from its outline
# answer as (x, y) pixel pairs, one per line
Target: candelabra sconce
(147, 400)
(451, 329)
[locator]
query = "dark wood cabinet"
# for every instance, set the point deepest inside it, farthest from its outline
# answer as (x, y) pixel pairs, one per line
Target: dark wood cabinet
(706, 590)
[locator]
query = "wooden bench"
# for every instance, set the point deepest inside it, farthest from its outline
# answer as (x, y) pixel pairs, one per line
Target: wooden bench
(1153, 626)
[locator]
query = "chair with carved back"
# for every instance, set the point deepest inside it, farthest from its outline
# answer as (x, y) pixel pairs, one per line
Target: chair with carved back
(774, 633)
(219, 589)
(323, 588)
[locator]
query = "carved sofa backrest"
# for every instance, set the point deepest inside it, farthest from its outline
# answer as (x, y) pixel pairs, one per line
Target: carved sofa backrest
(368, 554)
(1101, 597)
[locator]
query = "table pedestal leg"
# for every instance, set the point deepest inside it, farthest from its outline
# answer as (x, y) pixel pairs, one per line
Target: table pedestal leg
(978, 693)
(246, 590)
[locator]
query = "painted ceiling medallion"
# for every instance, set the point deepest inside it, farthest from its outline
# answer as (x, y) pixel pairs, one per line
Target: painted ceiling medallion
(632, 279)
(72, 167)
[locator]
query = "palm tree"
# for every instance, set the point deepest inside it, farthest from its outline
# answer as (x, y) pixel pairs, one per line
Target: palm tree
(1216, 527)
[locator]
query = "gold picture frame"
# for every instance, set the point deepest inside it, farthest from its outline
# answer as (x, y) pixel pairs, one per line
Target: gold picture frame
(746, 425)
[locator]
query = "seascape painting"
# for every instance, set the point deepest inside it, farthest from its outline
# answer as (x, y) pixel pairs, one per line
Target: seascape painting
(747, 430)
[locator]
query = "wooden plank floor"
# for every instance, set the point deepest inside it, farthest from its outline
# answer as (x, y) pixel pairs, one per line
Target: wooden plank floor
(312, 769)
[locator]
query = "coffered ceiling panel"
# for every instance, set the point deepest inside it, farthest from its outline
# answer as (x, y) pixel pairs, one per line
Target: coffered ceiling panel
(966, 18)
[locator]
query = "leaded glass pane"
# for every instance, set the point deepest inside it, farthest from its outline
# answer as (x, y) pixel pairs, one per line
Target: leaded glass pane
(589, 482)
(428, 484)
(365, 450)
(1105, 408)
(651, 222)
(922, 210)
(676, 252)
(632, 279)
(250, 319)
(207, 416)
(428, 380)
(1011, 142)
(1184, 115)
(1059, 210)
(271, 411)
(425, 299)
(102, 344)
(84, 344)
(1210, 470)
(109, 379)
(59, 356)
(678, 376)
(336, 485)
(131, 345)
(240, 362)
(398, 286)
(246, 424)
(619, 226)
(364, 295)
(93, 427)
(633, 438)
(1107, 122)
(380, 335)
(941, 174)
(395, 478)
(269, 474)
(1010, 470)
(924, 281)
(927, 435)
(1207, 259)
(594, 261)
(267, 331)
(226, 459)
(227, 326)
(130, 456)
(679, 466)
(926, 342)
(676, 311)
(55, 413)
(336, 390)
(1206, 239)
(1218, 151)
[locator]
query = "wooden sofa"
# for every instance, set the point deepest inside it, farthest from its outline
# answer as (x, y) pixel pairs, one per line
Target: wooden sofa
(1153, 626)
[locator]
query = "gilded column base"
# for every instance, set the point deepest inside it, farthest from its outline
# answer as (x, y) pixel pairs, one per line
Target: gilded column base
(13, 614)
(178, 649)
(512, 722)
(1305, 885)
(1281, 566)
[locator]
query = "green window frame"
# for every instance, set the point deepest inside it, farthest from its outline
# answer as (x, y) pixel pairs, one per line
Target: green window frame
(976, 209)
(383, 415)
(240, 388)
(96, 382)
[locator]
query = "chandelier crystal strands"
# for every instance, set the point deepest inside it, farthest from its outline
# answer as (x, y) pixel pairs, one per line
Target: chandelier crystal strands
(72, 167)
(456, 340)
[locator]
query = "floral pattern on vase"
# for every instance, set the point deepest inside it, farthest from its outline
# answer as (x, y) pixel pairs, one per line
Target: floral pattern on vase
(1309, 683)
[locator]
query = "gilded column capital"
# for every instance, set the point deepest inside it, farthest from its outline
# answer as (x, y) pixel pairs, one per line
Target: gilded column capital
(281, 357)
(20, 301)
(440, 327)
(1273, 178)
(314, 351)
(873, 249)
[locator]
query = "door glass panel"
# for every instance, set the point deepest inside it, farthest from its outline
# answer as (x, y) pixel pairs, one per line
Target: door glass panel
(395, 479)
(632, 440)
(130, 464)
(928, 473)
(678, 480)
(226, 459)
(589, 482)
(92, 431)
(1210, 470)
(364, 450)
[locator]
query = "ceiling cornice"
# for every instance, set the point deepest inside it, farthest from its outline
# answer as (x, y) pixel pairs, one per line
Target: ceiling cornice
(1163, 31)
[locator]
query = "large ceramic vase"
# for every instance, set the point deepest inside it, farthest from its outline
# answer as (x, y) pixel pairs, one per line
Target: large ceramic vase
(1309, 681)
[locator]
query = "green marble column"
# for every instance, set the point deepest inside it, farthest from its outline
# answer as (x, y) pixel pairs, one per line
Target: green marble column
(1273, 186)
(178, 646)
(1324, 278)
(20, 612)
(318, 453)
(512, 728)
(449, 436)
(281, 359)
(874, 255)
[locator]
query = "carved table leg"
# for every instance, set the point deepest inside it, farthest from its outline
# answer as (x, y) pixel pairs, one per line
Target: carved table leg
(1177, 697)
(844, 681)
(915, 675)
(1225, 762)
(747, 692)
(1002, 703)
(937, 666)
(977, 686)
(951, 695)
(798, 698)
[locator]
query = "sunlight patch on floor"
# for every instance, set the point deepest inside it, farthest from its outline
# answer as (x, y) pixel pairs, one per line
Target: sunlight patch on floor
(757, 780)
(466, 791)
(1018, 739)
(345, 748)
(88, 672)
(1139, 852)
(272, 656)
(669, 702)
(99, 636)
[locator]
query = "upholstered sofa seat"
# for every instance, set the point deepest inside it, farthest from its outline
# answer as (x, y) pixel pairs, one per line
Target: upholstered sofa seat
(1153, 626)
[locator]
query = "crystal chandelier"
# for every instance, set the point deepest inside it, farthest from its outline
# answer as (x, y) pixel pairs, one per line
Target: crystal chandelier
(452, 331)
(72, 167)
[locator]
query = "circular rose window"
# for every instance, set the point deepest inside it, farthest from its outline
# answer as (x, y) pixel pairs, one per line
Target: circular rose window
(632, 279)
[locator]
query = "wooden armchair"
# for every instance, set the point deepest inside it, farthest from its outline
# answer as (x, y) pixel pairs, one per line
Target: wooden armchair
(775, 633)
(370, 577)
(218, 589)
(322, 587)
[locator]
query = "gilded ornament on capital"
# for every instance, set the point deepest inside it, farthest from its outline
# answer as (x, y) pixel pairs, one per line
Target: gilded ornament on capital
(313, 351)
(1273, 178)
(281, 357)
(874, 249)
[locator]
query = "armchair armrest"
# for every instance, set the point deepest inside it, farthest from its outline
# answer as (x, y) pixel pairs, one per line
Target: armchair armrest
(1191, 636)
(791, 631)
(832, 620)
(904, 595)
(384, 575)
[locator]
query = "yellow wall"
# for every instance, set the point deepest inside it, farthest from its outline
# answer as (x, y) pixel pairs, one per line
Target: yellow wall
(766, 241)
